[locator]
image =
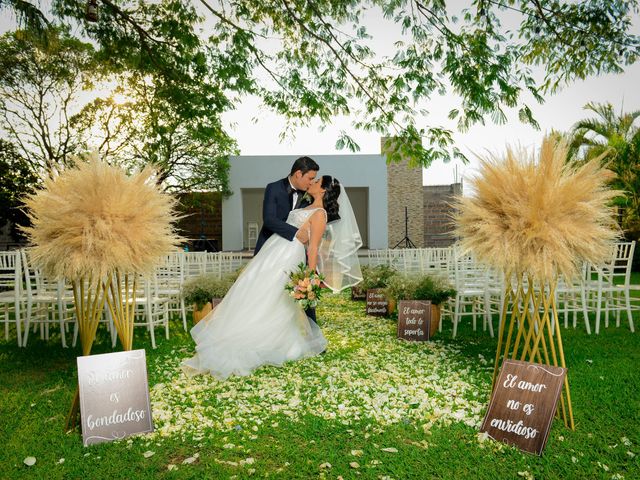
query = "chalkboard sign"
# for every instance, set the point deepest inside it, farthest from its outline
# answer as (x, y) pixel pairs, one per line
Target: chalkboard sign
(377, 303)
(114, 396)
(523, 404)
(414, 320)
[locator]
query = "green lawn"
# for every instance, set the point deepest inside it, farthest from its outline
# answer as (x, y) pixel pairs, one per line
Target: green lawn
(398, 410)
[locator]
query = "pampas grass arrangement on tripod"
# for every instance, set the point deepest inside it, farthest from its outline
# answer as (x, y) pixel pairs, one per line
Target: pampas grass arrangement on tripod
(99, 228)
(534, 217)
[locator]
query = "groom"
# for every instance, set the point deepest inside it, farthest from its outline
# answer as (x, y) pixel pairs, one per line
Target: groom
(280, 198)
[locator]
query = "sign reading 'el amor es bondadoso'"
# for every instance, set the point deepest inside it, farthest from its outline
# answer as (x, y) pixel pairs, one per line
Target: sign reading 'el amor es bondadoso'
(114, 396)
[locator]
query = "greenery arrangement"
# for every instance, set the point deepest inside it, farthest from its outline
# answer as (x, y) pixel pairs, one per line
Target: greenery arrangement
(435, 289)
(376, 277)
(419, 287)
(200, 290)
(401, 286)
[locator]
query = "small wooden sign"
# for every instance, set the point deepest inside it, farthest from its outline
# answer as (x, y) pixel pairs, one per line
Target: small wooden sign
(414, 320)
(377, 303)
(114, 396)
(358, 294)
(523, 404)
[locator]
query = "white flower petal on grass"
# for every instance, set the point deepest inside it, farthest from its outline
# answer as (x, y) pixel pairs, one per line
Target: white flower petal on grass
(626, 441)
(357, 453)
(574, 459)
(148, 454)
(389, 450)
(189, 460)
(29, 461)
(354, 465)
(526, 475)
(60, 462)
(326, 465)
(382, 377)
(171, 466)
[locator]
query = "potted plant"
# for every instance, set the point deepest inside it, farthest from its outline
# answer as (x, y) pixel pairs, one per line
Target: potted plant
(374, 281)
(400, 287)
(437, 291)
(206, 291)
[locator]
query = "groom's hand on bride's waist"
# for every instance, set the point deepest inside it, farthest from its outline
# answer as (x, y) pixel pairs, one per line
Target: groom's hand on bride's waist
(302, 235)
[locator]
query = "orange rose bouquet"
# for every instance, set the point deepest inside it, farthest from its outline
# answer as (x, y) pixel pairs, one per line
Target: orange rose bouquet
(305, 286)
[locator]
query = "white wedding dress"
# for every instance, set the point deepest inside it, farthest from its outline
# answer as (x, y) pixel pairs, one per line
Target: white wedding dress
(258, 323)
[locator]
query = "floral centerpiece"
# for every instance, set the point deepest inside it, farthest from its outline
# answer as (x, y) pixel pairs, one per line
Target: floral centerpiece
(305, 286)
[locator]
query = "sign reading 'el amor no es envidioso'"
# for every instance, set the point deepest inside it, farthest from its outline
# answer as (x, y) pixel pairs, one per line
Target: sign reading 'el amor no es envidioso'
(114, 396)
(523, 404)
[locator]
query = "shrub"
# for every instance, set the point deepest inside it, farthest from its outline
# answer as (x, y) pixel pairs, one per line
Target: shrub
(376, 277)
(200, 290)
(435, 289)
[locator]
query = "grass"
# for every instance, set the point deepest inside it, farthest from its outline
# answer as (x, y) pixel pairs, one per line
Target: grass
(368, 393)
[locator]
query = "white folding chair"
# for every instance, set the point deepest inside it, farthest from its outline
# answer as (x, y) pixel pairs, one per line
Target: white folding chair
(11, 292)
(610, 290)
(48, 302)
(470, 281)
(571, 298)
(170, 279)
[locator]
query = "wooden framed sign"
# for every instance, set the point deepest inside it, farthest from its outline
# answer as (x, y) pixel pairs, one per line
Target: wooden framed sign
(377, 303)
(358, 294)
(414, 320)
(523, 404)
(114, 396)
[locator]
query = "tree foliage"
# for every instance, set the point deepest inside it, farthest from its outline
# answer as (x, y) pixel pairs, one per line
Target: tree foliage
(40, 85)
(17, 179)
(315, 59)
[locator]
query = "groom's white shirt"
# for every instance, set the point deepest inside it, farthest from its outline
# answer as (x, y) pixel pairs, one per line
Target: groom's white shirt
(295, 192)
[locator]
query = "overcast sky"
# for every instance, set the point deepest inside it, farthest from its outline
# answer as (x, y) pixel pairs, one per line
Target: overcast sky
(257, 130)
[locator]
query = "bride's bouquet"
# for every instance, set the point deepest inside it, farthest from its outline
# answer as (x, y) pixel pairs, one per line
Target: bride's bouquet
(305, 286)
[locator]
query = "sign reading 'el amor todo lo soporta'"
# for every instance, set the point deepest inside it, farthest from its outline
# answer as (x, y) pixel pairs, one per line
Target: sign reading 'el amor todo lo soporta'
(114, 396)
(523, 404)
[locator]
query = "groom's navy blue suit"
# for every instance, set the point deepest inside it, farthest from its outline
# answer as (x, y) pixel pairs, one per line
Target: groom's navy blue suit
(278, 202)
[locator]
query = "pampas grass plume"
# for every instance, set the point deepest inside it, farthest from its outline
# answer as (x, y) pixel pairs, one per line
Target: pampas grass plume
(94, 219)
(537, 214)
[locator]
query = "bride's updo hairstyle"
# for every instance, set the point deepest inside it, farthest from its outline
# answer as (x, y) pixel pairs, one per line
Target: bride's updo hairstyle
(331, 187)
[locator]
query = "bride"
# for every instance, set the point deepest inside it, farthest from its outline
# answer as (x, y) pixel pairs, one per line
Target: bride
(258, 322)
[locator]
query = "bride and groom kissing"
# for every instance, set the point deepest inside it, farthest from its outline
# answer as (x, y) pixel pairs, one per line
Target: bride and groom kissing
(306, 218)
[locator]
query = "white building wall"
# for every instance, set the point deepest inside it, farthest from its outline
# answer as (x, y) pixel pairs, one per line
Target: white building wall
(352, 171)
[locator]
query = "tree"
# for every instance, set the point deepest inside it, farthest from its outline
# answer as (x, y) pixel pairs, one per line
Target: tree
(620, 136)
(137, 126)
(40, 85)
(16, 180)
(318, 61)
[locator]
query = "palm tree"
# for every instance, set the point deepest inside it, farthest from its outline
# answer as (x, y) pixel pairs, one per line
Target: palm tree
(620, 135)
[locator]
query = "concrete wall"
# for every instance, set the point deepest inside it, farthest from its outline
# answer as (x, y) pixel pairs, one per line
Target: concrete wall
(255, 172)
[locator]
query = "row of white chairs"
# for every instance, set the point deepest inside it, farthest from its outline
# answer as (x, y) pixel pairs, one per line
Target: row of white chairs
(603, 290)
(29, 302)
